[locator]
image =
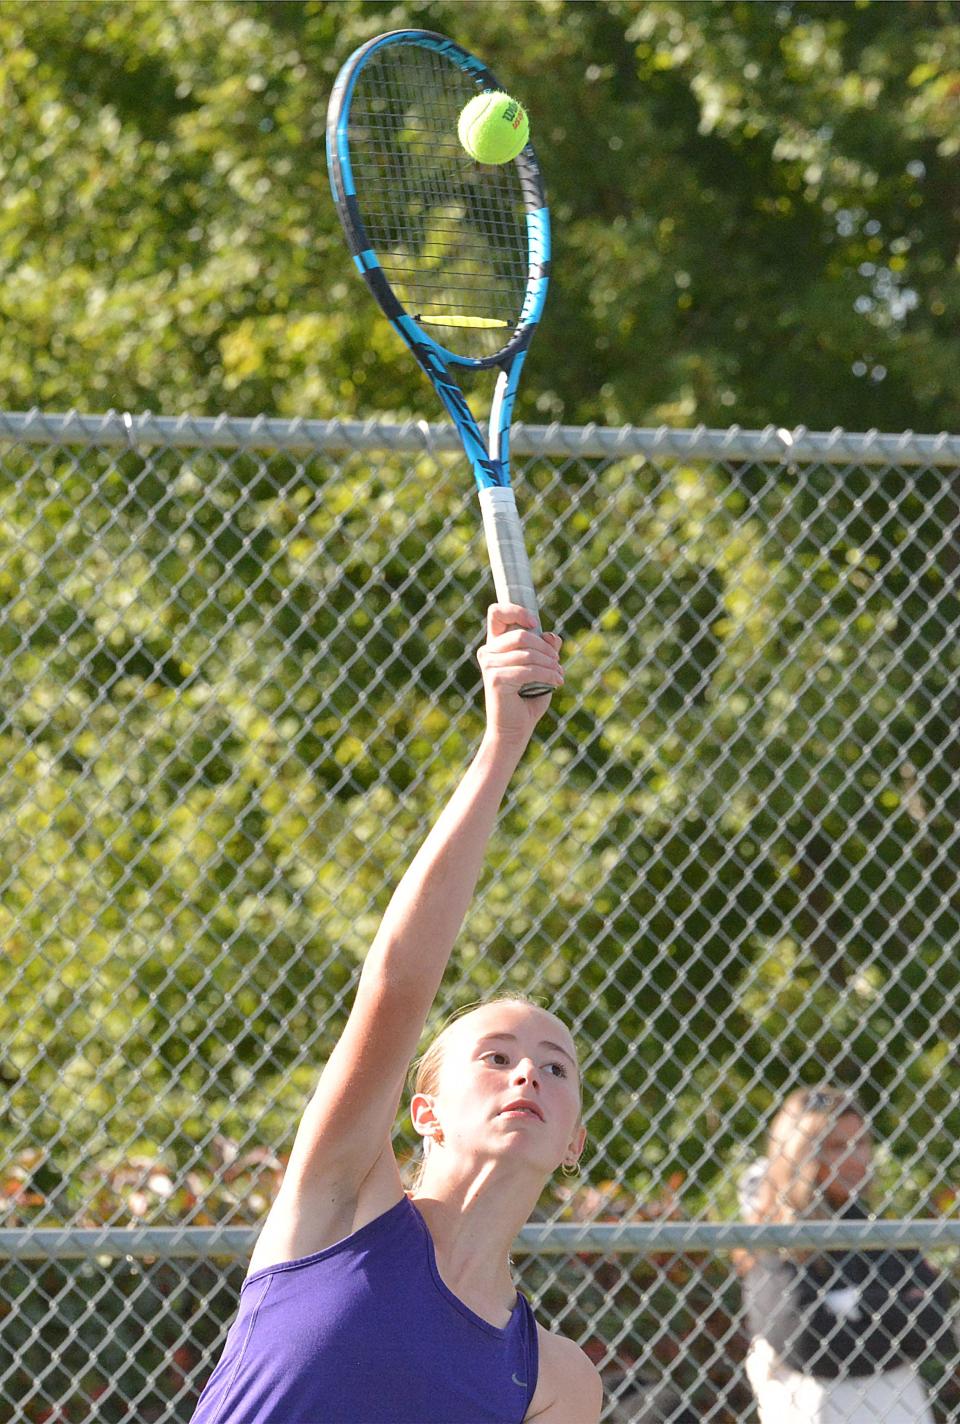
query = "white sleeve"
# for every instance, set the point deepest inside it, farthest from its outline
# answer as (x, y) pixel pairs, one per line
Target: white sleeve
(748, 1187)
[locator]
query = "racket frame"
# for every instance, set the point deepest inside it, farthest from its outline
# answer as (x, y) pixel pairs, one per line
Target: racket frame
(490, 458)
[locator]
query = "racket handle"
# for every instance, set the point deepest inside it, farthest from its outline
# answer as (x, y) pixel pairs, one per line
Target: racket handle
(508, 560)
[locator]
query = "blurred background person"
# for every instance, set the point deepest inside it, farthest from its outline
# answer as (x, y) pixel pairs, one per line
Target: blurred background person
(836, 1335)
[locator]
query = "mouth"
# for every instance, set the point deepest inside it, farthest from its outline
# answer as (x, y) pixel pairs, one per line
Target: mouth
(521, 1109)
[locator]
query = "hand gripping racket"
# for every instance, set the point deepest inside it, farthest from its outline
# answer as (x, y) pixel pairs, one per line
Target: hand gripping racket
(456, 253)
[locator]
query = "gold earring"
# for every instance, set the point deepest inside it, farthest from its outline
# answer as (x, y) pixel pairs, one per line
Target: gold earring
(571, 1169)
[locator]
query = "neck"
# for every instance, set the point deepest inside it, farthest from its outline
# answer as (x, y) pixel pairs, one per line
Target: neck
(473, 1220)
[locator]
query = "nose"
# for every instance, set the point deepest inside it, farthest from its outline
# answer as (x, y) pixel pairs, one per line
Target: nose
(525, 1072)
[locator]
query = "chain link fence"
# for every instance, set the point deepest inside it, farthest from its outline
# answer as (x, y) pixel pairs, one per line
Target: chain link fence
(237, 681)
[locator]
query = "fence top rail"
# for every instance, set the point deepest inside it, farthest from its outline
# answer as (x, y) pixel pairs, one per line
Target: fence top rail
(547, 1239)
(122, 429)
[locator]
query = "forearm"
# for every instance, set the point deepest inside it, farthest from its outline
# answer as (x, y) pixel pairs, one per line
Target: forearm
(423, 919)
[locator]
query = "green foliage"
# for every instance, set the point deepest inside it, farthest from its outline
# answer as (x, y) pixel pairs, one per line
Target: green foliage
(227, 721)
(234, 691)
(755, 209)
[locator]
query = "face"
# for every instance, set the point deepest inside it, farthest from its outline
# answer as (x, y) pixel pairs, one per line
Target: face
(844, 1157)
(508, 1087)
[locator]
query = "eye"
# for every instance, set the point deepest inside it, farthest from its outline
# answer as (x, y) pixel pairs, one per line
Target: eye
(499, 1058)
(560, 1069)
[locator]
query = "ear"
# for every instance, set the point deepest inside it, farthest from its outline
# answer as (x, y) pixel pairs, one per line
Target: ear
(424, 1117)
(576, 1145)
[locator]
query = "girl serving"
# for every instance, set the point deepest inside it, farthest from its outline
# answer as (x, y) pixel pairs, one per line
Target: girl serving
(366, 1305)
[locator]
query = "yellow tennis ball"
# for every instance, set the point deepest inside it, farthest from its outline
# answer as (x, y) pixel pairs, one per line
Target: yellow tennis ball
(493, 127)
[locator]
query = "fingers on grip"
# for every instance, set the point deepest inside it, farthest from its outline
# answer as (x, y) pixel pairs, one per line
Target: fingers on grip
(501, 617)
(513, 629)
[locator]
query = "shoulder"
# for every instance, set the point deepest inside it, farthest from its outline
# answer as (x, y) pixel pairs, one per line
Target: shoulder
(903, 1266)
(304, 1219)
(771, 1269)
(569, 1390)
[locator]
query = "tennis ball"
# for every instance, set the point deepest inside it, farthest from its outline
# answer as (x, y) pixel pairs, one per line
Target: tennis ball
(493, 127)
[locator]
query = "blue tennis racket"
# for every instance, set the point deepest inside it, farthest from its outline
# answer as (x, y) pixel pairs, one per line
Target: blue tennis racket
(455, 252)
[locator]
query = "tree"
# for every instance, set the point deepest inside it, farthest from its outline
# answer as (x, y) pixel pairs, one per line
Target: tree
(755, 205)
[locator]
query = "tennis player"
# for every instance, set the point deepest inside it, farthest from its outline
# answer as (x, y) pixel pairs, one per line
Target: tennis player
(365, 1305)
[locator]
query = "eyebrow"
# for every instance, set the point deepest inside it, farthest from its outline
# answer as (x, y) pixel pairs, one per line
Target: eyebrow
(544, 1043)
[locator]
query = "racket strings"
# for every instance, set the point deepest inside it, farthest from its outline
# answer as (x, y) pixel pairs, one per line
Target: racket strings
(451, 236)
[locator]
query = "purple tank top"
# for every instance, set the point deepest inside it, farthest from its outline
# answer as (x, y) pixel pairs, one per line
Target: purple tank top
(366, 1332)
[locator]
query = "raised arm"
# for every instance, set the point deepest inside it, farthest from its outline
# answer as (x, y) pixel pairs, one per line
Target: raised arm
(342, 1168)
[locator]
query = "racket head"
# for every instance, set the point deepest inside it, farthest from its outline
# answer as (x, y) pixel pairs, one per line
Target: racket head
(456, 253)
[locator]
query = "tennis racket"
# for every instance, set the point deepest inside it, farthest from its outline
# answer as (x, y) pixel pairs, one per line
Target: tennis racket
(456, 253)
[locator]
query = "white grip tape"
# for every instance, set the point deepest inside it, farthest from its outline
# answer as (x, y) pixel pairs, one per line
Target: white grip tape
(508, 555)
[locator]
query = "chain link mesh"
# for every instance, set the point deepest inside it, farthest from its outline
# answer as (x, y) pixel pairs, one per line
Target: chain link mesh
(237, 681)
